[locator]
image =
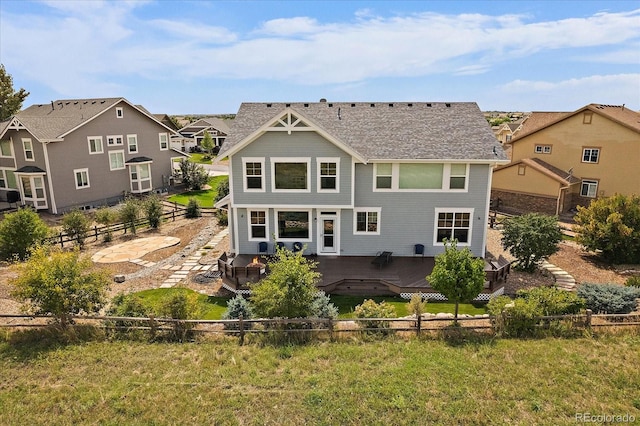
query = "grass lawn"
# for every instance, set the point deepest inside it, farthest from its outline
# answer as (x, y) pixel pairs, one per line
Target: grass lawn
(347, 304)
(205, 197)
(198, 157)
(386, 381)
(211, 308)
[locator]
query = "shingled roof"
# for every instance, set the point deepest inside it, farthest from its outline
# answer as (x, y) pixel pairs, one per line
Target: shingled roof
(383, 130)
(53, 121)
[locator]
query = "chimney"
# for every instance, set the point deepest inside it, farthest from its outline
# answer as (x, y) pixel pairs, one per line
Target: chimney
(52, 106)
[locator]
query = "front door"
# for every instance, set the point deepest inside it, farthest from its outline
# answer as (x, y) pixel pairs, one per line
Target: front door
(328, 231)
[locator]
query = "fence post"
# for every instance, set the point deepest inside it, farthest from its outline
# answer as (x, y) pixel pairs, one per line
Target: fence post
(95, 230)
(588, 320)
(173, 215)
(61, 242)
(153, 326)
(241, 326)
(175, 206)
(330, 326)
(419, 325)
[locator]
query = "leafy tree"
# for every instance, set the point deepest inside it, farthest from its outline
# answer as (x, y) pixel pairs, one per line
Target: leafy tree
(531, 238)
(194, 176)
(153, 211)
(61, 284)
(106, 216)
(222, 190)
(289, 290)
(10, 100)
(129, 214)
(76, 225)
(19, 232)
(207, 143)
(457, 275)
(612, 226)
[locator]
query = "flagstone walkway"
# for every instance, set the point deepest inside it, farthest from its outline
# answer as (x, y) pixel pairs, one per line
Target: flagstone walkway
(133, 251)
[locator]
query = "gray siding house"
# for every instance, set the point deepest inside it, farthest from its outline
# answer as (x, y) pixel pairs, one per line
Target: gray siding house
(82, 153)
(356, 179)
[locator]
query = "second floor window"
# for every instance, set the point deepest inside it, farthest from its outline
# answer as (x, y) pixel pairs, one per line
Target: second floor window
(114, 140)
(543, 149)
(95, 144)
(590, 155)
(132, 143)
(327, 175)
(253, 172)
(290, 175)
(28, 149)
(116, 160)
(5, 149)
(164, 141)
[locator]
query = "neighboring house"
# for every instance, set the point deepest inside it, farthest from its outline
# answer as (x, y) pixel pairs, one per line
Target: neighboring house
(560, 160)
(192, 134)
(355, 179)
(82, 153)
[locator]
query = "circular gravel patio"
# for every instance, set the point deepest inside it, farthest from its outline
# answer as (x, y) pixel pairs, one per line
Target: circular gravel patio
(134, 249)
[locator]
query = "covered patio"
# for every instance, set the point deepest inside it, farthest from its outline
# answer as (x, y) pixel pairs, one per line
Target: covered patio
(357, 275)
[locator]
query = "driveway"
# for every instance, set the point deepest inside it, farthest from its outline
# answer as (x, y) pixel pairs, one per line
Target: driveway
(216, 169)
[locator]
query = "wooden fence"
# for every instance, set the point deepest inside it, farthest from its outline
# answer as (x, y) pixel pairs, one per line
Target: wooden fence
(95, 232)
(315, 326)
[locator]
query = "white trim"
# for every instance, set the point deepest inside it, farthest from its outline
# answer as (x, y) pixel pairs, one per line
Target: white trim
(97, 138)
(294, 206)
(367, 210)
(25, 150)
(32, 179)
(119, 112)
(166, 135)
(114, 138)
(336, 233)
(135, 136)
(319, 161)
(235, 242)
(277, 228)
(454, 210)
(268, 126)
(263, 176)
(118, 151)
(438, 160)
(591, 183)
(445, 184)
(3, 176)
(47, 166)
(75, 177)
(275, 160)
(138, 179)
(591, 154)
(12, 155)
(266, 224)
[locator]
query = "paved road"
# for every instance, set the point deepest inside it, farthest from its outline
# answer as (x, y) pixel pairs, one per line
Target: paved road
(216, 169)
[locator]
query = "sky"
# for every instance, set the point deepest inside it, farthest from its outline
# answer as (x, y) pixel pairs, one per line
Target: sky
(207, 57)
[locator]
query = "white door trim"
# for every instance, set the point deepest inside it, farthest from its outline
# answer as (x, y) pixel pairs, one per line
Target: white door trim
(322, 216)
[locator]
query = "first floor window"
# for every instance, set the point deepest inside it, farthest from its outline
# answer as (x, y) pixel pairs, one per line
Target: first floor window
(116, 160)
(367, 221)
(453, 225)
(258, 224)
(8, 179)
(293, 225)
(82, 178)
(589, 188)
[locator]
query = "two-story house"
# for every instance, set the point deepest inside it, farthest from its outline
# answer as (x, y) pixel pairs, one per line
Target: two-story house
(354, 179)
(192, 134)
(83, 153)
(560, 160)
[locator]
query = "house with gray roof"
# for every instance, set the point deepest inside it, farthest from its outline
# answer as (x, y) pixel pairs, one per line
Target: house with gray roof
(356, 179)
(192, 134)
(83, 153)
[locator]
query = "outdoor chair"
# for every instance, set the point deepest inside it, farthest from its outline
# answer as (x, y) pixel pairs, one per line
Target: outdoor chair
(263, 247)
(297, 247)
(418, 250)
(281, 245)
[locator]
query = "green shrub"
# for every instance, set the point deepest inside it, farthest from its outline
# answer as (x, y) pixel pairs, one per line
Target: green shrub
(553, 301)
(609, 298)
(180, 306)
(76, 225)
(612, 226)
(416, 305)
(193, 209)
(321, 307)
(222, 216)
(153, 211)
(237, 306)
(106, 216)
(632, 282)
(129, 214)
(371, 309)
(514, 318)
(129, 305)
(20, 232)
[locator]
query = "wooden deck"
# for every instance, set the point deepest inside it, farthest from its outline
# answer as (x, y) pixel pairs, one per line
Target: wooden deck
(356, 275)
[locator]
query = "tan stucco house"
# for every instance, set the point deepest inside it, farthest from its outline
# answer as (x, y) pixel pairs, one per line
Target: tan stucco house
(83, 153)
(560, 160)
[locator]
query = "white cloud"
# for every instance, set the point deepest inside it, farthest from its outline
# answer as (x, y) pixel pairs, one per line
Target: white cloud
(289, 26)
(193, 31)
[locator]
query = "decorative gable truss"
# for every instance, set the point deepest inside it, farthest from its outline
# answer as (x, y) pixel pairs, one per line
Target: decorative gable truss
(288, 123)
(16, 125)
